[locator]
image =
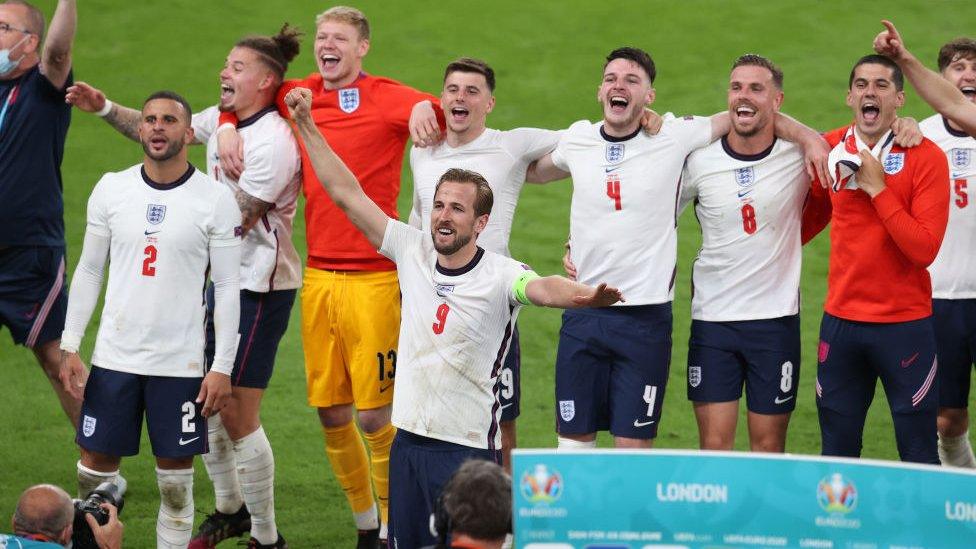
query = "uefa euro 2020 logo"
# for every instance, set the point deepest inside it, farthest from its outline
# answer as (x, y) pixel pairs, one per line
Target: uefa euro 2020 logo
(836, 494)
(541, 485)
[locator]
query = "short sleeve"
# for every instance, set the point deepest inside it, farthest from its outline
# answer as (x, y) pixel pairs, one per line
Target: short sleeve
(530, 144)
(692, 132)
(558, 154)
(204, 123)
(225, 228)
(396, 102)
(399, 238)
(97, 223)
(271, 163)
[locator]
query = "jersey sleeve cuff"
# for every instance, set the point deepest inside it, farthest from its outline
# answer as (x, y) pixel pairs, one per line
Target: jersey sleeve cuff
(70, 342)
(886, 204)
(222, 367)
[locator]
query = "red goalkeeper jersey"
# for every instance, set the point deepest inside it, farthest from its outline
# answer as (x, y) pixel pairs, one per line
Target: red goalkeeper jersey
(365, 123)
(880, 248)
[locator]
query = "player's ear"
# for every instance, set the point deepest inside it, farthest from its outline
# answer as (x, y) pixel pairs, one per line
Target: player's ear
(900, 99)
(480, 223)
(778, 100)
(363, 47)
(491, 104)
(188, 137)
(651, 95)
(850, 98)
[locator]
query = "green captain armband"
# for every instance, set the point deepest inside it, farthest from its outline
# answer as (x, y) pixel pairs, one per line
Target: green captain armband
(518, 288)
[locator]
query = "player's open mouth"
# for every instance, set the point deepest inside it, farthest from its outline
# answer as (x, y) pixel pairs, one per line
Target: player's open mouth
(969, 92)
(329, 61)
(459, 114)
(870, 111)
(445, 231)
(745, 112)
(618, 104)
(158, 142)
(226, 92)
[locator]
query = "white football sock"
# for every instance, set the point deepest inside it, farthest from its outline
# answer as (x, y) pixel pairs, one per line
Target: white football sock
(368, 519)
(174, 524)
(384, 531)
(89, 479)
(571, 444)
(221, 467)
(255, 469)
(956, 451)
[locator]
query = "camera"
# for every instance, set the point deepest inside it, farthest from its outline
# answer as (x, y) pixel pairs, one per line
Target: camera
(106, 492)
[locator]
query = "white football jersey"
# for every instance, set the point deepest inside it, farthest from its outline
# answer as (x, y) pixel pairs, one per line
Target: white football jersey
(954, 269)
(623, 220)
(502, 157)
(161, 235)
(749, 208)
(272, 173)
(455, 328)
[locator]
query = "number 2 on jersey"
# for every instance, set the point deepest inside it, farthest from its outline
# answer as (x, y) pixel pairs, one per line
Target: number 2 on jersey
(441, 317)
(148, 269)
(748, 219)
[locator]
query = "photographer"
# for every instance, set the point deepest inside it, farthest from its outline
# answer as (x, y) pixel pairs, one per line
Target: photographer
(475, 508)
(44, 518)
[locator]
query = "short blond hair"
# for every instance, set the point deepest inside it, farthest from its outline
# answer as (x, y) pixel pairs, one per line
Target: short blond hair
(348, 15)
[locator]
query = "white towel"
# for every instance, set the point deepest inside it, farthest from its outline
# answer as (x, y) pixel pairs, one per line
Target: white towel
(844, 160)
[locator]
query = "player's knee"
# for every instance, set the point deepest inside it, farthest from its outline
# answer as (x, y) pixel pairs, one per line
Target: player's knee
(335, 416)
(717, 441)
(953, 422)
(768, 443)
(373, 420)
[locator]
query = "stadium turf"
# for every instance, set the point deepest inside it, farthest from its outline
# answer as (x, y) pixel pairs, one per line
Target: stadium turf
(548, 57)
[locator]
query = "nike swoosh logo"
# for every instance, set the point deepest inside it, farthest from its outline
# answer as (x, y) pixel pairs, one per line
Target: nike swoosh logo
(959, 175)
(908, 362)
(185, 442)
(383, 389)
(778, 400)
(506, 405)
(148, 232)
(608, 170)
(743, 193)
(638, 423)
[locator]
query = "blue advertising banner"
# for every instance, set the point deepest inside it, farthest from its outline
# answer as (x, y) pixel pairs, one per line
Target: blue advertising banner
(605, 499)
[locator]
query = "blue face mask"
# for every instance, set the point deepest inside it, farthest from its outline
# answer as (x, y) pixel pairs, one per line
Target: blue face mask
(6, 63)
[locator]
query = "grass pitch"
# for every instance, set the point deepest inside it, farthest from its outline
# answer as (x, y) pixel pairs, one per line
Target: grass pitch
(548, 58)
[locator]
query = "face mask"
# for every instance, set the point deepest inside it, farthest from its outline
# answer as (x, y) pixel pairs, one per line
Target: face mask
(6, 64)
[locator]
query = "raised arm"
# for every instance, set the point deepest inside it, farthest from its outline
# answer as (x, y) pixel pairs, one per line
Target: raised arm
(56, 57)
(334, 176)
(90, 99)
(935, 90)
(561, 292)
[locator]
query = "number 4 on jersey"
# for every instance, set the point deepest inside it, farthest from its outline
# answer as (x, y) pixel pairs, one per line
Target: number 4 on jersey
(613, 191)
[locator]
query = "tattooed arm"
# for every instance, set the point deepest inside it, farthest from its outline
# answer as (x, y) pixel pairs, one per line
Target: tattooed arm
(252, 209)
(89, 99)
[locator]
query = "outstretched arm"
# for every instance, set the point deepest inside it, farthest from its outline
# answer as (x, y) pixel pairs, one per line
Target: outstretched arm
(563, 293)
(90, 99)
(334, 176)
(815, 148)
(935, 90)
(544, 170)
(56, 57)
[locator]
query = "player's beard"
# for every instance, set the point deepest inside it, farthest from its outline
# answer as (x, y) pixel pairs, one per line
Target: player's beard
(172, 150)
(459, 242)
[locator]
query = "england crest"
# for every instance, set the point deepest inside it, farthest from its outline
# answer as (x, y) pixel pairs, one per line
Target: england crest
(745, 177)
(349, 99)
(615, 152)
(694, 376)
(88, 426)
(567, 409)
(894, 162)
(155, 213)
(959, 158)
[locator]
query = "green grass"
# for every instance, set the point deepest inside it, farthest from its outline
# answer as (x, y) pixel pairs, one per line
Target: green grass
(548, 57)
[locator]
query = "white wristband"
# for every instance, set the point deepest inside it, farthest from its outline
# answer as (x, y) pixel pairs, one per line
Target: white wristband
(106, 109)
(225, 126)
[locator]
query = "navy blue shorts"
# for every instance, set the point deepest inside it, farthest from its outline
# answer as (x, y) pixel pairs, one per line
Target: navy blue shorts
(851, 357)
(419, 469)
(611, 370)
(264, 320)
(33, 293)
(955, 340)
(762, 354)
(111, 414)
(509, 380)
